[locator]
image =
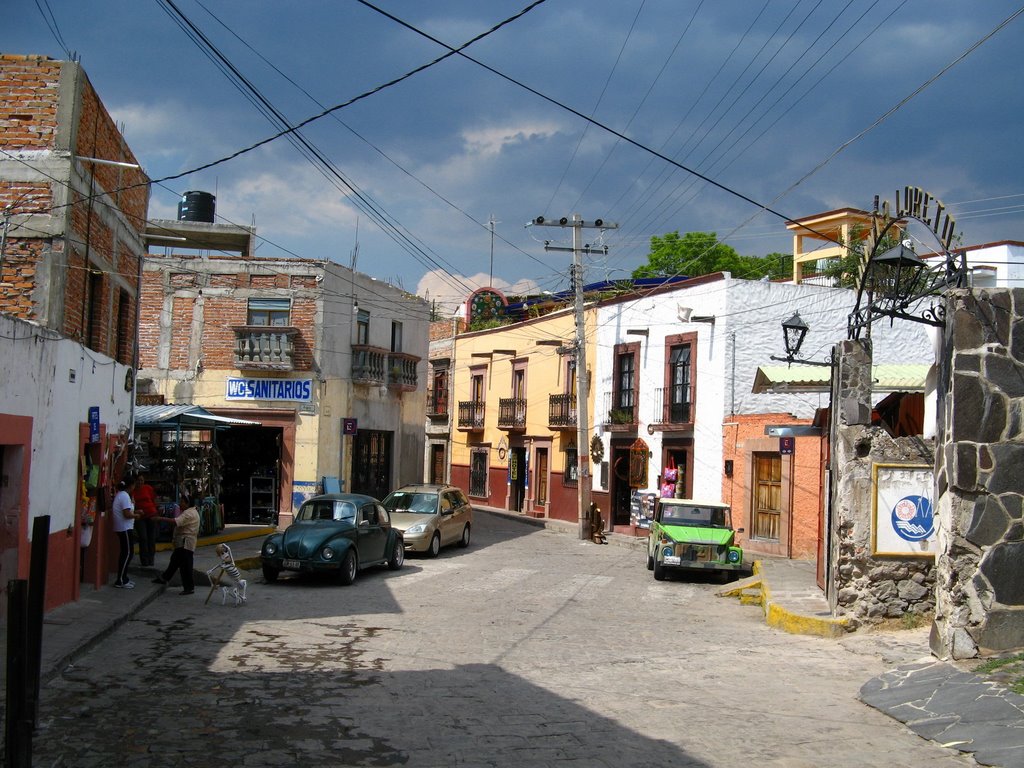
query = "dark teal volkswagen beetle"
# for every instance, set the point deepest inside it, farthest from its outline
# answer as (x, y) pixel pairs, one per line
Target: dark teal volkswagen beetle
(338, 533)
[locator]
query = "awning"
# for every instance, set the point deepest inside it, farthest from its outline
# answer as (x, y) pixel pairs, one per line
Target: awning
(185, 417)
(889, 377)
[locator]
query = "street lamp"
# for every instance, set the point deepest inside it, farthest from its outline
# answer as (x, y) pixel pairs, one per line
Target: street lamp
(793, 332)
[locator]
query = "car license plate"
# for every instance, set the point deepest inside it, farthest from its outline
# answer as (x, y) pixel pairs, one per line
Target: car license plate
(291, 564)
(671, 560)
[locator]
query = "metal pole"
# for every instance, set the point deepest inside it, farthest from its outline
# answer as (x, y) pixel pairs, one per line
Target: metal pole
(584, 484)
(36, 608)
(582, 388)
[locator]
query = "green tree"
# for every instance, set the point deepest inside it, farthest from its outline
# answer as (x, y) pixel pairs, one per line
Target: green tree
(701, 253)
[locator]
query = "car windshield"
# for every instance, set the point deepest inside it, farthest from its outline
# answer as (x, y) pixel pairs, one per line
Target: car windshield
(419, 503)
(327, 509)
(692, 514)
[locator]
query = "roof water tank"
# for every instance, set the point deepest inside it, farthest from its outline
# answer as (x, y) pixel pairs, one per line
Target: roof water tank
(197, 206)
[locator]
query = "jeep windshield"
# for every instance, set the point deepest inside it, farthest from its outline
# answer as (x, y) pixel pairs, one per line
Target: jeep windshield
(695, 515)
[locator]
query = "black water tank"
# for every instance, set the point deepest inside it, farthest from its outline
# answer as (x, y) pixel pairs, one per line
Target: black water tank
(197, 206)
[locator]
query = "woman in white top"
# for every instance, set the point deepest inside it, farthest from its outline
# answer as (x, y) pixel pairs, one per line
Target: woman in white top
(123, 514)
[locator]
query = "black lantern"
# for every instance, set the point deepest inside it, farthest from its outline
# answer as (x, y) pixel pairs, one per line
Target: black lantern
(898, 276)
(793, 332)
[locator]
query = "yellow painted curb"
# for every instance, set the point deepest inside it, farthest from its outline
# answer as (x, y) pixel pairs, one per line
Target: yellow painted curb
(780, 618)
(223, 538)
(755, 590)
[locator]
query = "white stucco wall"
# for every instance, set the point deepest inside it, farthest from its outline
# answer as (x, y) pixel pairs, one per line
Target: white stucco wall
(745, 334)
(34, 382)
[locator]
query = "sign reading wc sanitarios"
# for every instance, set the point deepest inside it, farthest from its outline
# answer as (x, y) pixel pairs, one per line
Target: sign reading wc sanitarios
(300, 390)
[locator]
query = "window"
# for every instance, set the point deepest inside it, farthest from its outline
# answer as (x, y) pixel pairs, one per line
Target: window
(571, 466)
(476, 386)
(362, 327)
(570, 377)
(767, 495)
(94, 329)
(125, 324)
(272, 312)
(519, 384)
(679, 383)
(396, 336)
(625, 383)
(439, 392)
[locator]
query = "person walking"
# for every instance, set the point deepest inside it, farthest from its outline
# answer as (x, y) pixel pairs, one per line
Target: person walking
(184, 539)
(123, 515)
(145, 523)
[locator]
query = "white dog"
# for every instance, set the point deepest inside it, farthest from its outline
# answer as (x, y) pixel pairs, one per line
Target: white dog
(226, 575)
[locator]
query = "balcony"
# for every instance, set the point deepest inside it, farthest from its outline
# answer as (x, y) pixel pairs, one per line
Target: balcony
(512, 413)
(264, 347)
(618, 417)
(562, 411)
(402, 371)
(669, 415)
(369, 364)
(437, 404)
(471, 415)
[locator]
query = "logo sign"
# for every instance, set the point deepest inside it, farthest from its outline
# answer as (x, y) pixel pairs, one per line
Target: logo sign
(296, 390)
(913, 519)
(349, 426)
(94, 424)
(787, 445)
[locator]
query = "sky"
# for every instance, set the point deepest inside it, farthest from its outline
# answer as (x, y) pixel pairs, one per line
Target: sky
(730, 116)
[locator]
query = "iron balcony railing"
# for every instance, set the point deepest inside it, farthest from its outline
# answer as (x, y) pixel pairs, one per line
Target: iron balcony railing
(562, 411)
(437, 403)
(670, 407)
(471, 414)
(616, 413)
(511, 413)
(264, 348)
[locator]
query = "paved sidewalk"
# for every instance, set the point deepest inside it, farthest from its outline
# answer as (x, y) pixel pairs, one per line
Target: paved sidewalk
(938, 700)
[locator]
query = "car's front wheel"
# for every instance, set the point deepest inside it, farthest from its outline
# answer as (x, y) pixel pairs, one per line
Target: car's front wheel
(650, 562)
(659, 571)
(464, 541)
(349, 567)
(270, 574)
(435, 545)
(397, 555)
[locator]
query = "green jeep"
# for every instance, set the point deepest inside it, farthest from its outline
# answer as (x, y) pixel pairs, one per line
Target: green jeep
(694, 536)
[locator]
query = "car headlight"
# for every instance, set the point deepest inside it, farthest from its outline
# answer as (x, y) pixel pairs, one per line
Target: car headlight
(666, 552)
(734, 556)
(418, 528)
(327, 553)
(269, 548)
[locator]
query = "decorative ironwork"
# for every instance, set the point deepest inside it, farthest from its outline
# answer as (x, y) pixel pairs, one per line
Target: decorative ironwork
(897, 281)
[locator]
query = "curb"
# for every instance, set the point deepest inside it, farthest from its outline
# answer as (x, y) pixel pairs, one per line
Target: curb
(755, 590)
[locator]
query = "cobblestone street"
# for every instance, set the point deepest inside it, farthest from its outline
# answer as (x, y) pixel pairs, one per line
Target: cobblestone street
(530, 648)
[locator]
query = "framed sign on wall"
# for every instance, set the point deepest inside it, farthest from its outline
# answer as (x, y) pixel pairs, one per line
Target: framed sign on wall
(903, 510)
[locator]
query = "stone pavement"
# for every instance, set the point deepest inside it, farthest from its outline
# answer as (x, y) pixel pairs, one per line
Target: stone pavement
(937, 700)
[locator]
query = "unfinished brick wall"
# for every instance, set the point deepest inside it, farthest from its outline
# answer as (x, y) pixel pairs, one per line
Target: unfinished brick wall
(73, 245)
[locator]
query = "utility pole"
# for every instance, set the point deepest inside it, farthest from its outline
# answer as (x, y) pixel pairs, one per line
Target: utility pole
(584, 481)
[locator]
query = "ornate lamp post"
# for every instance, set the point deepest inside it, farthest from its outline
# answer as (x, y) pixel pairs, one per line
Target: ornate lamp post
(793, 332)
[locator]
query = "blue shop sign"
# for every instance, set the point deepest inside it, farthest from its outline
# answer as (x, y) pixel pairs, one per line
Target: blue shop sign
(300, 390)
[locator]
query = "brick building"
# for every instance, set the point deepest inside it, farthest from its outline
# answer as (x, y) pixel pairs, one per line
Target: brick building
(330, 365)
(74, 202)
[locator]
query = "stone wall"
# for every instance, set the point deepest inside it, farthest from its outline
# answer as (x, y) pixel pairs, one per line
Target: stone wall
(980, 476)
(864, 587)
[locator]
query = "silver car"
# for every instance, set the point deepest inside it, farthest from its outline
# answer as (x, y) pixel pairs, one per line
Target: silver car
(430, 516)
